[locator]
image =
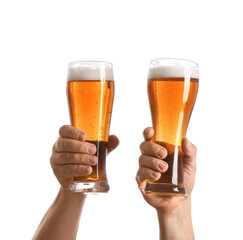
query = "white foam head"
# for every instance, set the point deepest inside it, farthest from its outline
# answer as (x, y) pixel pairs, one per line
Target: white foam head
(90, 70)
(173, 68)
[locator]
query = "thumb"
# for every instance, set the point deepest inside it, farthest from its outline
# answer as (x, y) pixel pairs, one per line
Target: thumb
(190, 152)
(112, 144)
(148, 133)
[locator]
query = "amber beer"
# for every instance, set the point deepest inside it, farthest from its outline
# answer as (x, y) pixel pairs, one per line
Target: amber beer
(90, 92)
(172, 91)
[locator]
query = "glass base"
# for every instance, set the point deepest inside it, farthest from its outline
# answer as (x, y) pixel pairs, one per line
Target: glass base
(90, 187)
(164, 189)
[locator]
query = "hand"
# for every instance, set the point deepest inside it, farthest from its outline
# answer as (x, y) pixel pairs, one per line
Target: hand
(72, 156)
(151, 166)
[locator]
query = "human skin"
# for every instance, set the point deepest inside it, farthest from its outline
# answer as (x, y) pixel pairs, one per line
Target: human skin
(174, 212)
(71, 156)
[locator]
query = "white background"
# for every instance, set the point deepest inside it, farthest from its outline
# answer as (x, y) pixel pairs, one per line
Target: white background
(39, 38)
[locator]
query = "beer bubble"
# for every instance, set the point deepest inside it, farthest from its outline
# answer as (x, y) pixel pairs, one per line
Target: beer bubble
(90, 70)
(172, 72)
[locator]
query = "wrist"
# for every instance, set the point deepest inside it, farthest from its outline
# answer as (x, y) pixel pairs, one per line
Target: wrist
(182, 208)
(67, 194)
(177, 225)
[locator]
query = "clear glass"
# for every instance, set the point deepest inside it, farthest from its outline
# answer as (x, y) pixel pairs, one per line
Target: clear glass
(172, 91)
(90, 93)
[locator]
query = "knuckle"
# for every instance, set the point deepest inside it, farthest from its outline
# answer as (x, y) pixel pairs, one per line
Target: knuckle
(54, 159)
(137, 178)
(54, 148)
(51, 160)
(75, 133)
(62, 129)
(142, 147)
(85, 159)
(154, 162)
(80, 158)
(61, 143)
(57, 144)
(142, 173)
(140, 160)
(155, 148)
(84, 170)
(154, 175)
(81, 169)
(84, 147)
(54, 168)
(139, 174)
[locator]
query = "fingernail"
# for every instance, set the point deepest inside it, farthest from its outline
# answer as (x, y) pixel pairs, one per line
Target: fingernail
(93, 160)
(86, 170)
(161, 153)
(146, 130)
(161, 166)
(92, 149)
(155, 174)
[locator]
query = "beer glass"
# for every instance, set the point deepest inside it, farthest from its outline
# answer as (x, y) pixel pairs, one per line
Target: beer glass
(172, 91)
(90, 93)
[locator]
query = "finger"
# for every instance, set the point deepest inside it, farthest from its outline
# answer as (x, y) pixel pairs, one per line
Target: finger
(73, 158)
(153, 149)
(70, 145)
(112, 144)
(189, 151)
(145, 174)
(148, 133)
(68, 131)
(72, 170)
(153, 163)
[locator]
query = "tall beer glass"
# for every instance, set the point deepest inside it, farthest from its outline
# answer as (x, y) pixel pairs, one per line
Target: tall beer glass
(90, 92)
(172, 91)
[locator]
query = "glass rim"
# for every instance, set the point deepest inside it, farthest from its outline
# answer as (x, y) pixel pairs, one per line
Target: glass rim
(173, 61)
(89, 62)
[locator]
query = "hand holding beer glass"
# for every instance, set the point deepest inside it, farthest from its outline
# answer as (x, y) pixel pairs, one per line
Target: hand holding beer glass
(172, 91)
(90, 92)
